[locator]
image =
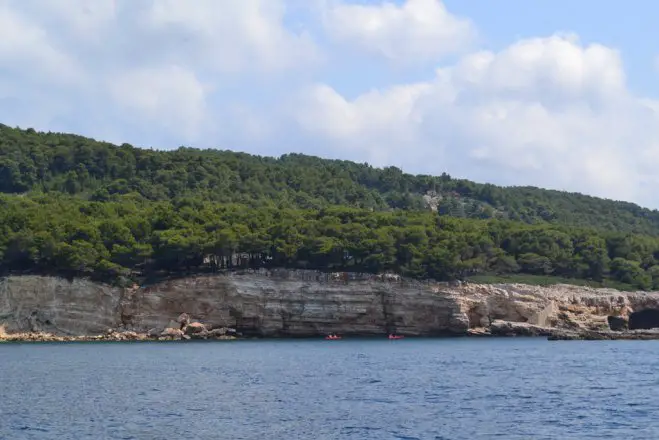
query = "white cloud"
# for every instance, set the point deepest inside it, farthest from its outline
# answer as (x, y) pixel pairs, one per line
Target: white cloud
(142, 63)
(549, 112)
(544, 111)
(417, 30)
(229, 35)
(26, 49)
(78, 18)
(373, 125)
(557, 67)
(172, 98)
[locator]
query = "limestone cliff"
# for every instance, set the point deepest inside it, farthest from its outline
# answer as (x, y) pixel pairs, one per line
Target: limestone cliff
(307, 303)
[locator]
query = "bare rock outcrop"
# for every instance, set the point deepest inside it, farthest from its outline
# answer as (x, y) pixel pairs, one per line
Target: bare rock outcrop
(183, 319)
(172, 333)
(308, 303)
(195, 328)
(58, 306)
(507, 328)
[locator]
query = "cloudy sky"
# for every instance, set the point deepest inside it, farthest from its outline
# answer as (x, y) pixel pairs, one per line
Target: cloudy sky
(561, 94)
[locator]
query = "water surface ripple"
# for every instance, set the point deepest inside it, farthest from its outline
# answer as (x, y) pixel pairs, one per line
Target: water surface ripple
(349, 389)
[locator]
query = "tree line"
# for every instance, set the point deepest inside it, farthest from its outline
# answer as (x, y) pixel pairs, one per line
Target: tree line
(71, 205)
(130, 238)
(37, 162)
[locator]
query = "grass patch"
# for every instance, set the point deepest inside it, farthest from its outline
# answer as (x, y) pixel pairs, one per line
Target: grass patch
(546, 280)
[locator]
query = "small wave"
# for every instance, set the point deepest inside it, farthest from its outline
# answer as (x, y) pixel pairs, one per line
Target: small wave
(32, 428)
(171, 414)
(361, 428)
(404, 437)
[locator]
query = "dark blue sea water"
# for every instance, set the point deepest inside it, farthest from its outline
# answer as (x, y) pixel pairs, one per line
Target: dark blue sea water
(349, 389)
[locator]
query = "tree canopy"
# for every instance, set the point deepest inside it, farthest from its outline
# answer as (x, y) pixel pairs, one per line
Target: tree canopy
(72, 205)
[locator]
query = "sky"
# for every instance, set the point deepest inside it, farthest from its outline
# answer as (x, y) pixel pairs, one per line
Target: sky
(557, 94)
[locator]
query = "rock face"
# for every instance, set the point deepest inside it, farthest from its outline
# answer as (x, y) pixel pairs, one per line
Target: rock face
(308, 303)
(55, 305)
(295, 304)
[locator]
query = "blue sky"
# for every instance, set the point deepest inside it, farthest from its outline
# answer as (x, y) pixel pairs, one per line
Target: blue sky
(555, 94)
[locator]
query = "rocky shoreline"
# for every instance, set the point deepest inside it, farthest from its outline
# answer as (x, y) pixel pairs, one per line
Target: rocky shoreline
(309, 304)
(512, 329)
(130, 336)
(125, 336)
(183, 329)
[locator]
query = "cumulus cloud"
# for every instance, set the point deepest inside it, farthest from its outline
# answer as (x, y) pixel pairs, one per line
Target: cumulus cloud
(149, 62)
(25, 45)
(232, 36)
(170, 98)
(82, 19)
(250, 75)
(417, 30)
(229, 36)
(545, 111)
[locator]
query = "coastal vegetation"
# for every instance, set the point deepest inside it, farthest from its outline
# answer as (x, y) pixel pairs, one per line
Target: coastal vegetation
(73, 206)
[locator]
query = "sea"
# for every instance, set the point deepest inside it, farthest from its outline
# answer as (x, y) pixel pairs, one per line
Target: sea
(450, 388)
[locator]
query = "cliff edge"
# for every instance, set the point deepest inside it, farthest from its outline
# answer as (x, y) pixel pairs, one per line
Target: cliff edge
(288, 303)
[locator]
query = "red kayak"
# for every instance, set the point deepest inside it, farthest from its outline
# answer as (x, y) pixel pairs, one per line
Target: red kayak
(332, 338)
(396, 336)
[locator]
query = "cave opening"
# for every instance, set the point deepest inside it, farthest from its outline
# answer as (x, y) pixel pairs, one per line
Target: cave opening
(617, 323)
(644, 319)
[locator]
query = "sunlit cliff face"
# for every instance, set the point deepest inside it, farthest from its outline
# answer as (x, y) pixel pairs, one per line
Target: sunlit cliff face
(299, 303)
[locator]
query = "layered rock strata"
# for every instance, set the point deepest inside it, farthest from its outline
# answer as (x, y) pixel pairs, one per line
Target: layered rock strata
(287, 303)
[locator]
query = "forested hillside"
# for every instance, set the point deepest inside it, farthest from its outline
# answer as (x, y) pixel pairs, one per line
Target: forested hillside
(75, 206)
(33, 161)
